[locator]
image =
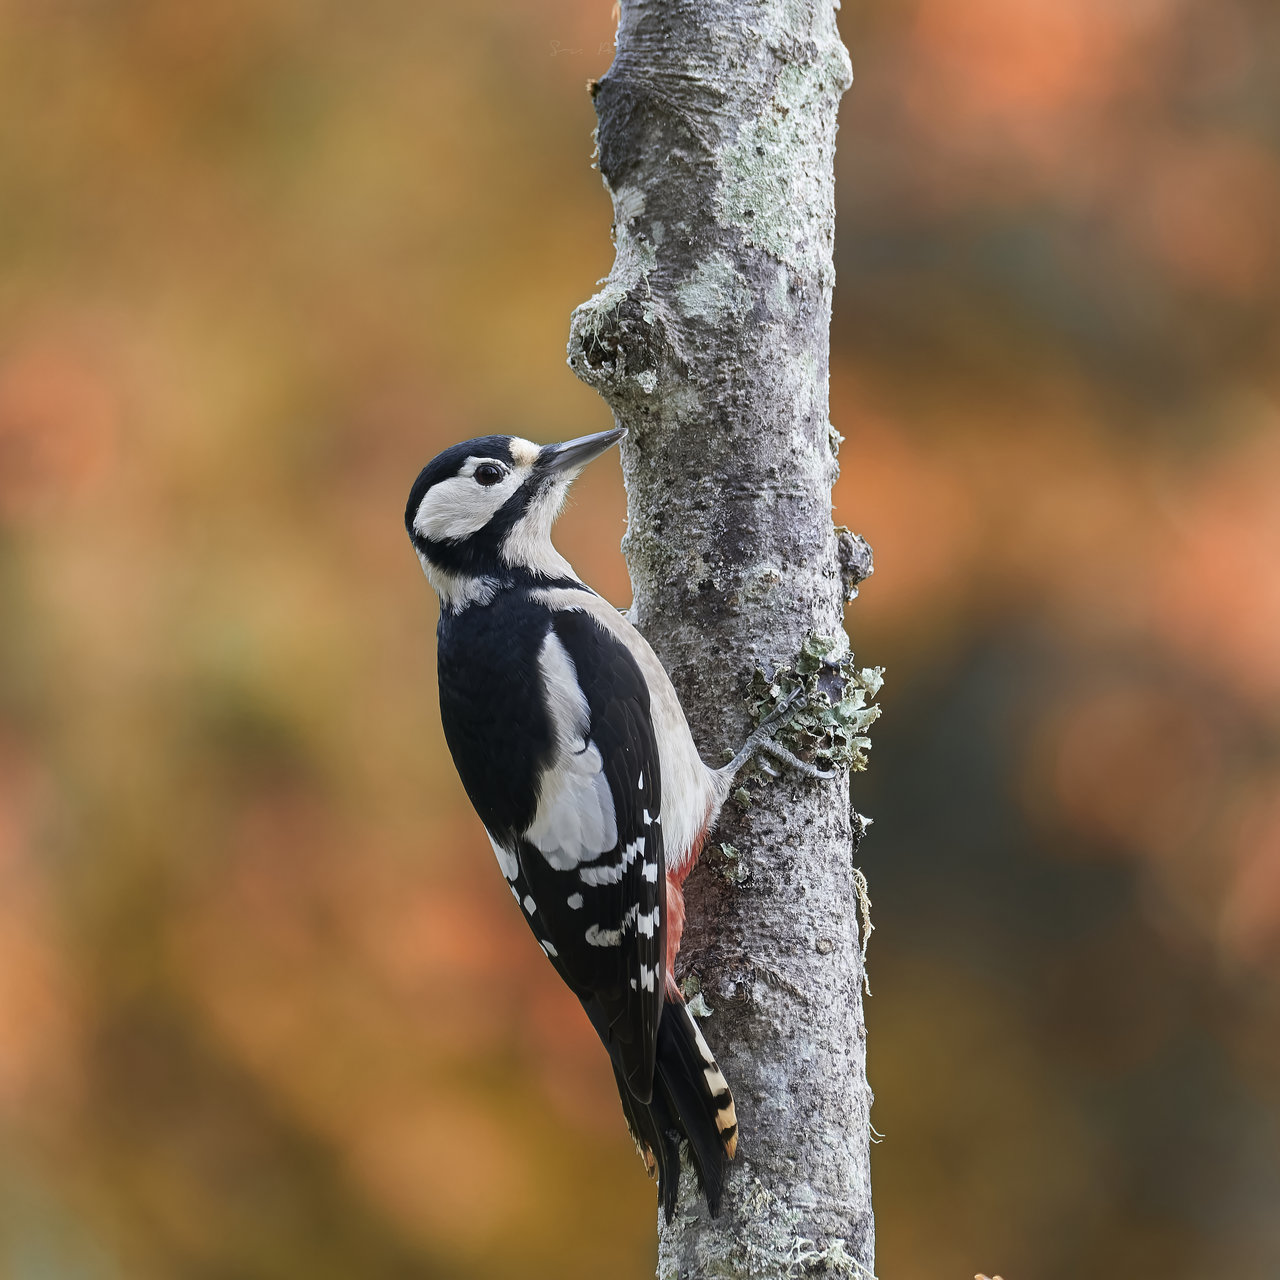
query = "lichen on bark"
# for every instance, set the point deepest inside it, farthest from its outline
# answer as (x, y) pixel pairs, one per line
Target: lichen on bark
(828, 727)
(710, 341)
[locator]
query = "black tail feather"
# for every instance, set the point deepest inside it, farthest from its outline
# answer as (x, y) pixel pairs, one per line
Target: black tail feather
(657, 1137)
(691, 1102)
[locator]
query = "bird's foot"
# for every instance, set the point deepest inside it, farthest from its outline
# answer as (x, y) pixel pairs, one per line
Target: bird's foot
(770, 748)
(761, 742)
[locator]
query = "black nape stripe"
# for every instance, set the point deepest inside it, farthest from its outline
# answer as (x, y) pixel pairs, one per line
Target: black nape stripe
(479, 553)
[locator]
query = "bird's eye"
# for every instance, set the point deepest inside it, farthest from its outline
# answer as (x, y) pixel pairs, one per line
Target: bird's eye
(488, 473)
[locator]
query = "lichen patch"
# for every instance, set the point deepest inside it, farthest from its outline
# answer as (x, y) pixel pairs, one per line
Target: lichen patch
(781, 206)
(716, 291)
(828, 726)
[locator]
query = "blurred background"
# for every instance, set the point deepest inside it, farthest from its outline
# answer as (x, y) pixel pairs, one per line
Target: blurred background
(265, 1009)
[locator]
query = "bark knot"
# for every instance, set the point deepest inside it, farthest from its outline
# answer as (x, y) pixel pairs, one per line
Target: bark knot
(856, 561)
(618, 343)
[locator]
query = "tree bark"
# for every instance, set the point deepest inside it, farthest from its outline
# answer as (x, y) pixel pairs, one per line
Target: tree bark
(710, 342)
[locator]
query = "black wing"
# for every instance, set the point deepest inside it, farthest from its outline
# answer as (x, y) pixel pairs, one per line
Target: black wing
(602, 921)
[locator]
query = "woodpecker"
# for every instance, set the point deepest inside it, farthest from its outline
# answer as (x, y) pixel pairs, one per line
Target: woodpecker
(572, 746)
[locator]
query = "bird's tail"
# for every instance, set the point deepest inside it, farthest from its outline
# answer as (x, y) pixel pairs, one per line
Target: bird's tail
(691, 1102)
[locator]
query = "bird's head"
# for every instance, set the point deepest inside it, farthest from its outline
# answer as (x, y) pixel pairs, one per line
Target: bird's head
(480, 513)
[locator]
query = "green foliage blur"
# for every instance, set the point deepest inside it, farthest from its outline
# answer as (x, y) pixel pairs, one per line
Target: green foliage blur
(265, 1009)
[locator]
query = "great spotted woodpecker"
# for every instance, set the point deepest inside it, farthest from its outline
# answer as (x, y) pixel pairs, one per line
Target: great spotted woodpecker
(573, 748)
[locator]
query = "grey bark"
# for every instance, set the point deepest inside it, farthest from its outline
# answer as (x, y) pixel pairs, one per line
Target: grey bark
(710, 342)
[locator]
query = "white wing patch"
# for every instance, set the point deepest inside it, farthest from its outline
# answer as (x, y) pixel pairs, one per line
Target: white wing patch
(575, 821)
(690, 791)
(506, 860)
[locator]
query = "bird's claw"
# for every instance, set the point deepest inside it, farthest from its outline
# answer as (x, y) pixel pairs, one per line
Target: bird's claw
(761, 741)
(796, 697)
(793, 761)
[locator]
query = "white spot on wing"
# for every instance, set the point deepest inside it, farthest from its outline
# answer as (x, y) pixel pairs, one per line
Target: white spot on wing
(612, 872)
(575, 902)
(598, 937)
(548, 948)
(647, 924)
(529, 905)
(648, 977)
(650, 870)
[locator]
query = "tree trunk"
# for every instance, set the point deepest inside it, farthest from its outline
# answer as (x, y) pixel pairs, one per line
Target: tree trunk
(709, 341)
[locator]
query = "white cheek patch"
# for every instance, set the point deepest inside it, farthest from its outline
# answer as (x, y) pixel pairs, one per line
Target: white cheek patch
(456, 508)
(575, 821)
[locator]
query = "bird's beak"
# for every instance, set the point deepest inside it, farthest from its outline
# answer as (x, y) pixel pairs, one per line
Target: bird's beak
(573, 455)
